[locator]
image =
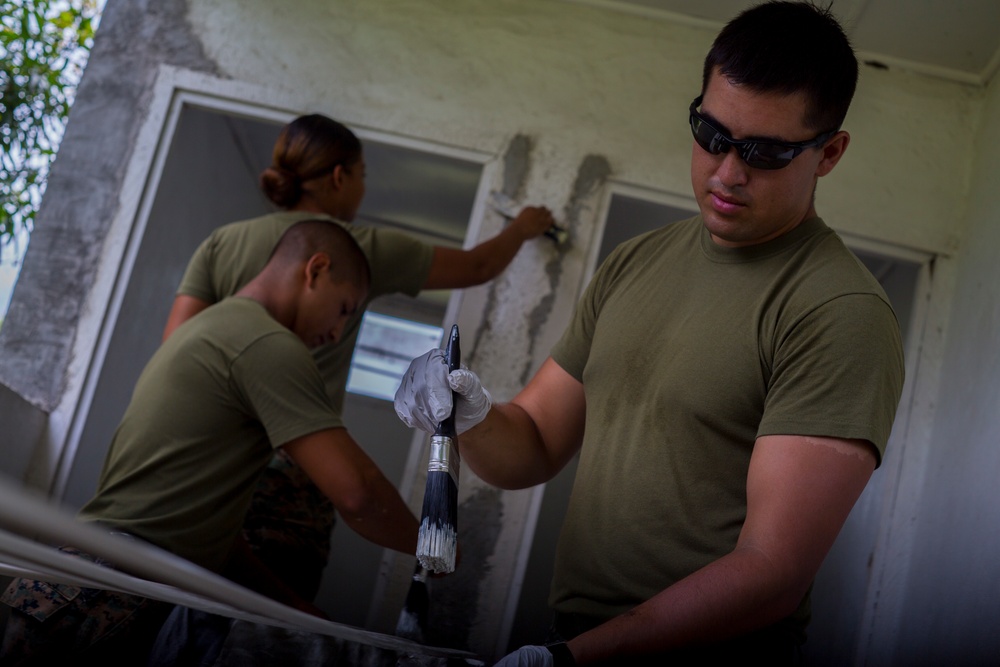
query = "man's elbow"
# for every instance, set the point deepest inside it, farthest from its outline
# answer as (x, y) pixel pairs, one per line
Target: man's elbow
(789, 598)
(358, 503)
(368, 496)
(783, 584)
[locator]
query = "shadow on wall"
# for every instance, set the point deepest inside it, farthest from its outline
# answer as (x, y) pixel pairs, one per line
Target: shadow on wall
(454, 598)
(23, 424)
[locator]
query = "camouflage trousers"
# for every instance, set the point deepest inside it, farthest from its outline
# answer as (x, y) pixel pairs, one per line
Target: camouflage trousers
(288, 525)
(75, 625)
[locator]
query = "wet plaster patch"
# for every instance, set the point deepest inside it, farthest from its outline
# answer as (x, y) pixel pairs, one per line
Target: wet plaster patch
(514, 314)
(516, 165)
(591, 176)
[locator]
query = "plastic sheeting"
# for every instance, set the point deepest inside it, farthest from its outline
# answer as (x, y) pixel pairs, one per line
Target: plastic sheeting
(264, 632)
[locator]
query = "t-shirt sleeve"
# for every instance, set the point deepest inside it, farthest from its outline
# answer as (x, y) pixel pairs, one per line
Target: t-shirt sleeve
(197, 280)
(278, 379)
(399, 262)
(838, 373)
(572, 350)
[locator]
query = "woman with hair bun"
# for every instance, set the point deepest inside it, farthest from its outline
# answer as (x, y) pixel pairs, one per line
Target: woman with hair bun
(318, 171)
(309, 148)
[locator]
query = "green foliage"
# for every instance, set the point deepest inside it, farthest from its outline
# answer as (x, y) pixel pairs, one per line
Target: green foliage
(44, 45)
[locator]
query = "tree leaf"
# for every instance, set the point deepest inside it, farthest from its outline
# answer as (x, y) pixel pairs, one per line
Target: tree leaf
(44, 45)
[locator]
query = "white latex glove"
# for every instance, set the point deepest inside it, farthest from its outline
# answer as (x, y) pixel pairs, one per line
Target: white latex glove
(474, 402)
(424, 396)
(527, 656)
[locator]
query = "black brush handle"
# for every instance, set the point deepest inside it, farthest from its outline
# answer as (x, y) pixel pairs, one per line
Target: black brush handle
(453, 357)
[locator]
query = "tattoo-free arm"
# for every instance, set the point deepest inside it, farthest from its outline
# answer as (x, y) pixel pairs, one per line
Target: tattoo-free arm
(800, 491)
(453, 268)
(529, 440)
(365, 499)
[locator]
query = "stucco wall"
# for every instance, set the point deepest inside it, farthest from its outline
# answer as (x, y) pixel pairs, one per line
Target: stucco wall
(85, 182)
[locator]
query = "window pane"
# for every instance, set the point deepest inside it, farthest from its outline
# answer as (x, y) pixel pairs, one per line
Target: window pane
(385, 347)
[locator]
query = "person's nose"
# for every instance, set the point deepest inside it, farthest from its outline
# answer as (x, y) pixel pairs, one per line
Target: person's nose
(338, 329)
(732, 170)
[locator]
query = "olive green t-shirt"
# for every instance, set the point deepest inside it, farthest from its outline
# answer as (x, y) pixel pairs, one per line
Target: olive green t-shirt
(213, 400)
(233, 254)
(688, 352)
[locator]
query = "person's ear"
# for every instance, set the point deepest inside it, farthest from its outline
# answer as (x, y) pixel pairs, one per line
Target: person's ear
(832, 152)
(337, 176)
(317, 265)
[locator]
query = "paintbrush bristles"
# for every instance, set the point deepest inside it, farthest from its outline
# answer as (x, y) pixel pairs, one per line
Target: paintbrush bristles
(437, 540)
(436, 547)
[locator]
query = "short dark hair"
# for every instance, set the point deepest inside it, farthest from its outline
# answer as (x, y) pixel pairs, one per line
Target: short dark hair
(789, 47)
(305, 238)
(307, 148)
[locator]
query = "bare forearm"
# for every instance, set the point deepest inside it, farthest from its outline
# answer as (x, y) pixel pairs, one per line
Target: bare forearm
(364, 498)
(735, 595)
(800, 491)
(385, 519)
(529, 440)
(507, 451)
(452, 268)
(493, 256)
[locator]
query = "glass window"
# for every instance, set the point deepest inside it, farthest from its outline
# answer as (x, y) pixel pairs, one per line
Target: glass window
(385, 347)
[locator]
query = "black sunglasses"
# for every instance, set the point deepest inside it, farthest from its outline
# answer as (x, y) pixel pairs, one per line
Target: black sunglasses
(757, 154)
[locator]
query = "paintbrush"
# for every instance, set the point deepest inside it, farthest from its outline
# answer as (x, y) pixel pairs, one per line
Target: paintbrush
(412, 621)
(437, 541)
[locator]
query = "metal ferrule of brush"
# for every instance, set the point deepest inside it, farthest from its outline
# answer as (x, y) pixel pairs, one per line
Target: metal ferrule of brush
(444, 456)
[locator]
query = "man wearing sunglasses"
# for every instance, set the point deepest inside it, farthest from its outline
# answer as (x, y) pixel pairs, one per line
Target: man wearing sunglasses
(729, 382)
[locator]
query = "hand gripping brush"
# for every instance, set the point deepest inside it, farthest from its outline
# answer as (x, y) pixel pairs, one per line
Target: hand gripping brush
(503, 204)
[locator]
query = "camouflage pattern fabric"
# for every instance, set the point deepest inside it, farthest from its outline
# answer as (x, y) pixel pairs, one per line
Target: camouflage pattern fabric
(61, 621)
(289, 524)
